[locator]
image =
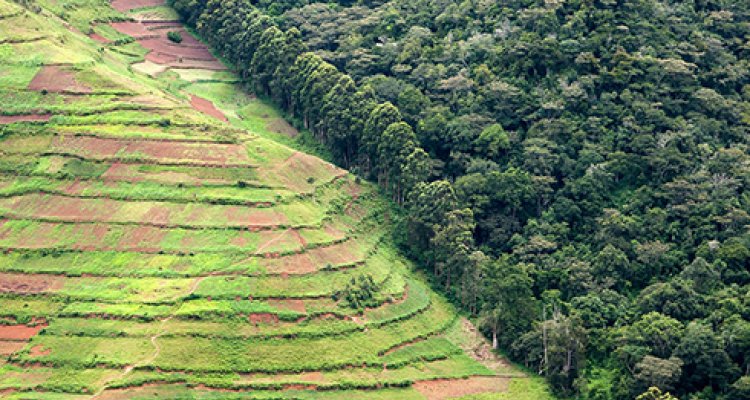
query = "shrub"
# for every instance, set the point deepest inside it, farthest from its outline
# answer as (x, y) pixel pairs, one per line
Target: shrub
(359, 293)
(174, 37)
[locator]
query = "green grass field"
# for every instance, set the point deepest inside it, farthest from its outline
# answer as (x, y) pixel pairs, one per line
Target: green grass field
(150, 248)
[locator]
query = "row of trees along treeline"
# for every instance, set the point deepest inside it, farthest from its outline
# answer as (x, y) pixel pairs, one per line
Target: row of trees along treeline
(574, 173)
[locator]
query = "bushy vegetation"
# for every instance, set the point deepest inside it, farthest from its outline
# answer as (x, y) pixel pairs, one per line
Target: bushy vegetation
(573, 172)
(174, 36)
(358, 293)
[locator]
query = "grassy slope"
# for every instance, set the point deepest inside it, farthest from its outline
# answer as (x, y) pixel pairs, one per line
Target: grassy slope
(193, 306)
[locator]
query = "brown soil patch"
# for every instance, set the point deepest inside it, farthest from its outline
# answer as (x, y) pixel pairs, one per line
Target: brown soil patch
(272, 241)
(280, 125)
(263, 318)
(76, 188)
(480, 349)
(157, 215)
(134, 29)
(335, 233)
(150, 101)
(143, 238)
(162, 58)
(8, 348)
(19, 332)
(57, 79)
(134, 173)
(191, 49)
(240, 241)
(62, 208)
(207, 107)
(212, 65)
(127, 5)
(295, 171)
(211, 154)
(315, 376)
(251, 217)
(12, 283)
(311, 260)
(338, 254)
(296, 264)
(9, 119)
(122, 172)
(157, 24)
(289, 304)
(39, 351)
(455, 388)
(299, 237)
(99, 38)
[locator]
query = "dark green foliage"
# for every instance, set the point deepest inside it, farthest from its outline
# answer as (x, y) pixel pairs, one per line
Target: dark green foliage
(359, 293)
(585, 157)
(174, 36)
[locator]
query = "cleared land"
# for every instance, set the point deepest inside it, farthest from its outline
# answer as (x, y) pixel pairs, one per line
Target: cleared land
(159, 239)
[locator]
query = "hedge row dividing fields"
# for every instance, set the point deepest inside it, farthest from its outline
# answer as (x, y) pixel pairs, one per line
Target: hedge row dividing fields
(159, 237)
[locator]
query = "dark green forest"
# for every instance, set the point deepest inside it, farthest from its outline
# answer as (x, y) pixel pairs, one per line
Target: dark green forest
(573, 173)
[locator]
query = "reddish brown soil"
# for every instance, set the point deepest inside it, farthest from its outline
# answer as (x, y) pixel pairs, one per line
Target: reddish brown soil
(9, 119)
(299, 237)
(90, 237)
(39, 351)
(19, 332)
(134, 29)
(143, 238)
(133, 173)
(211, 154)
(207, 107)
(262, 318)
(63, 208)
(79, 210)
(57, 79)
(155, 25)
(455, 388)
(162, 58)
(338, 254)
(480, 349)
(280, 125)
(158, 215)
(244, 216)
(122, 172)
(76, 187)
(8, 348)
(288, 172)
(27, 284)
(183, 50)
(242, 240)
(162, 28)
(213, 65)
(127, 5)
(296, 264)
(289, 304)
(270, 241)
(99, 38)
(315, 376)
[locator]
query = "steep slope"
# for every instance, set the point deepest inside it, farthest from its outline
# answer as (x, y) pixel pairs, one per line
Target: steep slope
(159, 241)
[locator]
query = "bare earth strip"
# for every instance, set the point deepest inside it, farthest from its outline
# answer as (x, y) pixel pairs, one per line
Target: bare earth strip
(443, 389)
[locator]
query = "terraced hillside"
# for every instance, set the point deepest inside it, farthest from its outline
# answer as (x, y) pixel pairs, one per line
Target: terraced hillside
(158, 240)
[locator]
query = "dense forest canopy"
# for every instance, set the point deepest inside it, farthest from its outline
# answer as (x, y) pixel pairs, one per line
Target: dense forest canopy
(575, 173)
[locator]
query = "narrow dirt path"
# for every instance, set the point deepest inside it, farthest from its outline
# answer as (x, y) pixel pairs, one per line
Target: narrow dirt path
(266, 245)
(154, 342)
(128, 369)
